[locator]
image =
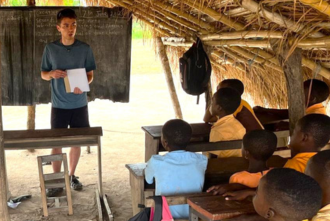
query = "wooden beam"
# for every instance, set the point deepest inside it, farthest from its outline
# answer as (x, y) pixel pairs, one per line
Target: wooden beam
(320, 5)
(217, 16)
(227, 60)
(292, 67)
(242, 35)
(169, 79)
(241, 43)
(4, 214)
(254, 6)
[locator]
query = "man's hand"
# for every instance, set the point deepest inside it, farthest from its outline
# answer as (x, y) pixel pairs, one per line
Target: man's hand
(218, 189)
(239, 195)
(77, 90)
(56, 74)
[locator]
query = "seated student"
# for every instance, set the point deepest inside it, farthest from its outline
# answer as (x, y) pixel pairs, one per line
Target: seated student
(244, 113)
(311, 133)
(318, 168)
(258, 147)
(179, 171)
(224, 103)
(319, 93)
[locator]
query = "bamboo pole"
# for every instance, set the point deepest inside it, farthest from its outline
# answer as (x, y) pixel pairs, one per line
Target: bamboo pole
(178, 44)
(236, 12)
(320, 5)
(241, 43)
(253, 6)
(4, 214)
(169, 79)
(217, 16)
(227, 60)
(242, 35)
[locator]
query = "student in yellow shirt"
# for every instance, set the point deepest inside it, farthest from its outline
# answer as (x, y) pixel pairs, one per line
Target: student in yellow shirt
(224, 103)
(244, 113)
(319, 93)
(258, 147)
(318, 168)
(311, 133)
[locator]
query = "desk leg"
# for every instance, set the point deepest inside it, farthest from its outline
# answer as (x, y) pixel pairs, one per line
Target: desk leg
(151, 147)
(137, 192)
(99, 161)
(192, 215)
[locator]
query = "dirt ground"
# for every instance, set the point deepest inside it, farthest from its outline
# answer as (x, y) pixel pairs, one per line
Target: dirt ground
(122, 142)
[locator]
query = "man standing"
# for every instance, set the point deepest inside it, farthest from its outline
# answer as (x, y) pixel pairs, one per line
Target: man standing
(68, 109)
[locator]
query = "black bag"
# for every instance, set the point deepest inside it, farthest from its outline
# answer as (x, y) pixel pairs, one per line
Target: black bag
(195, 70)
(144, 215)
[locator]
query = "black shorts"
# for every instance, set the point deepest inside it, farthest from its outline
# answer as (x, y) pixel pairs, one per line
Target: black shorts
(73, 118)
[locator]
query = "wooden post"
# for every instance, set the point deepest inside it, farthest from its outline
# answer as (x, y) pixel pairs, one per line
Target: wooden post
(292, 67)
(4, 214)
(208, 92)
(31, 125)
(169, 79)
(31, 3)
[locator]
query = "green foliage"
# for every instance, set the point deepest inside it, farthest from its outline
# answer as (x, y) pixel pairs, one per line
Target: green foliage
(71, 2)
(17, 3)
(138, 32)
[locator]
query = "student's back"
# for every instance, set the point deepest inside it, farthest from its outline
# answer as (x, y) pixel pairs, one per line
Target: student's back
(179, 171)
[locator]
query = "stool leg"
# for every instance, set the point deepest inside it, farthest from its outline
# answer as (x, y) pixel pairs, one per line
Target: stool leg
(67, 185)
(43, 188)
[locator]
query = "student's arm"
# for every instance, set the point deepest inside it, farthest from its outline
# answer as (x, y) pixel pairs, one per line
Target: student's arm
(149, 171)
(208, 117)
(224, 188)
(251, 217)
(240, 194)
(90, 76)
(54, 74)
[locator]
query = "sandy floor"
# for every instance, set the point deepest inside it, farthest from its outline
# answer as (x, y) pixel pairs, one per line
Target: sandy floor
(123, 142)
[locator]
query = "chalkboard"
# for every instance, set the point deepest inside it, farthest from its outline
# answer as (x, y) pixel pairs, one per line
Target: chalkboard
(24, 32)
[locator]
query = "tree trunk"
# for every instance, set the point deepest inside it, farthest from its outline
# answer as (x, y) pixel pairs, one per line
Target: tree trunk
(292, 67)
(4, 215)
(169, 79)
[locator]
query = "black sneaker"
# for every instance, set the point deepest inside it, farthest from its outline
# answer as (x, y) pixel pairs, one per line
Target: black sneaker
(53, 192)
(75, 184)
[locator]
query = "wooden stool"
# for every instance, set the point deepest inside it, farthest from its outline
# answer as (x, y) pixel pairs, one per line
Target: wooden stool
(54, 180)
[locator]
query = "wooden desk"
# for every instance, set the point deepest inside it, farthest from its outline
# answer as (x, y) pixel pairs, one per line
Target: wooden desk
(200, 131)
(210, 208)
(55, 138)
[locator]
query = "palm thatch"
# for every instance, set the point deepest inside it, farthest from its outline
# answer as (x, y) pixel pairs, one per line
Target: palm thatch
(239, 33)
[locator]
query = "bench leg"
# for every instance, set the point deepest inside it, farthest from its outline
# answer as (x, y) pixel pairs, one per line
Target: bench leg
(137, 192)
(99, 161)
(192, 215)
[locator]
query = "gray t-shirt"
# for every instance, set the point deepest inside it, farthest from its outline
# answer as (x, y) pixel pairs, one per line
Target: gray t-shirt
(57, 56)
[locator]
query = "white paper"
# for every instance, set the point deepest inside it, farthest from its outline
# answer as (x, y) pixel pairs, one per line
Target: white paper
(78, 78)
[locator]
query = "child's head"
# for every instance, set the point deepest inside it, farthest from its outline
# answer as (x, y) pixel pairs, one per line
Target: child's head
(225, 101)
(176, 135)
(319, 91)
(67, 23)
(318, 167)
(287, 195)
(232, 83)
(259, 144)
(312, 132)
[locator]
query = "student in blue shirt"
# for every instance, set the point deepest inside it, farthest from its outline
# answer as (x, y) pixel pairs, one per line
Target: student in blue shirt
(68, 109)
(179, 171)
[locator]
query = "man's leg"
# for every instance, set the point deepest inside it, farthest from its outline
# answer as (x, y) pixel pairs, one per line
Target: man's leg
(74, 159)
(56, 164)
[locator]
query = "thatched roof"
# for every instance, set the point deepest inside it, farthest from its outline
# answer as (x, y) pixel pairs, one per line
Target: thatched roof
(240, 32)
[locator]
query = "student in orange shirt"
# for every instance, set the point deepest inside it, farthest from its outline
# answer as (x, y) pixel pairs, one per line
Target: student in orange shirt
(319, 93)
(224, 103)
(244, 113)
(311, 133)
(258, 147)
(318, 168)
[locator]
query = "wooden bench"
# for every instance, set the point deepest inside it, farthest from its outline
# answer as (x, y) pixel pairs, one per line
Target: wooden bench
(56, 138)
(218, 171)
(200, 141)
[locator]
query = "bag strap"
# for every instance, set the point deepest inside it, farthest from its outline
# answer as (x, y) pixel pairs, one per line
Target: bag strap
(158, 208)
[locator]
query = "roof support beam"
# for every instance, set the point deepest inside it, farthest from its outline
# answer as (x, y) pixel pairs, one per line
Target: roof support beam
(320, 5)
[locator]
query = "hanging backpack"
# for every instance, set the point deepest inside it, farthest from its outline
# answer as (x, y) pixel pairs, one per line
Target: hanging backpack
(195, 70)
(161, 212)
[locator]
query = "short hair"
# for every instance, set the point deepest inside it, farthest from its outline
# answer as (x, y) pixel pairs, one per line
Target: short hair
(292, 194)
(320, 163)
(228, 99)
(235, 84)
(177, 133)
(320, 89)
(261, 144)
(65, 13)
(318, 126)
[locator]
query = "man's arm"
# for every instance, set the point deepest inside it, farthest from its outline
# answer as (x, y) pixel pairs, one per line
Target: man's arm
(90, 76)
(54, 74)
(208, 117)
